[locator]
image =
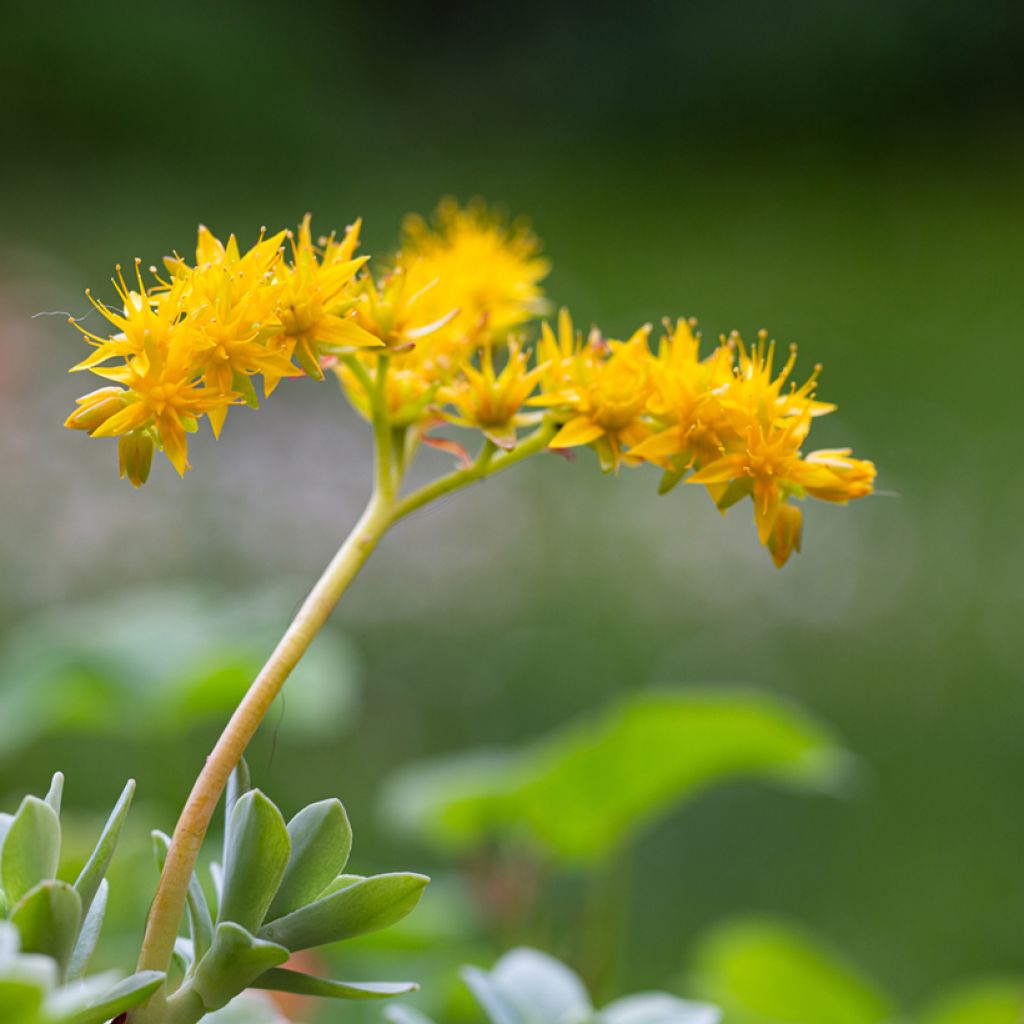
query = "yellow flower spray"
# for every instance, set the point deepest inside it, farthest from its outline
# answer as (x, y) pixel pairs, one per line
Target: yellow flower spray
(439, 338)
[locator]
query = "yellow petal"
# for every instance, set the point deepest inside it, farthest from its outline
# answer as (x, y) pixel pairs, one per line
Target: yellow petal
(581, 430)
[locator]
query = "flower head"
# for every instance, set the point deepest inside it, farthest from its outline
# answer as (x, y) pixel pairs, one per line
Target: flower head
(603, 399)
(474, 262)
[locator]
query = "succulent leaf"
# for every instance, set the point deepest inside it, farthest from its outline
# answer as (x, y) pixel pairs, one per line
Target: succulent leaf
(235, 960)
(89, 935)
(255, 859)
(321, 840)
(280, 980)
(366, 906)
(31, 849)
(48, 918)
(88, 881)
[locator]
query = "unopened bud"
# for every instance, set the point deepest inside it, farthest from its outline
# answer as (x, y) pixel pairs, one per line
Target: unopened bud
(135, 457)
(95, 409)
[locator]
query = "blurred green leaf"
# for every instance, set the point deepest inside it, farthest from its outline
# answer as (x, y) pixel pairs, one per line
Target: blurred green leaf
(365, 906)
(321, 840)
(255, 856)
(657, 1008)
(155, 662)
(768, 972)
(48, 919)
(31, 849)
(401, 1014)
(584, 791)
(529, 987)
(998, 1001)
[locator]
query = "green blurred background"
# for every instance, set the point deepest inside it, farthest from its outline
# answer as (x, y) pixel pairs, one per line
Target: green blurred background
(848, 175)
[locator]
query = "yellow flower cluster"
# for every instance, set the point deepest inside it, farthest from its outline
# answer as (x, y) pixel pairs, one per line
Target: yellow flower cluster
(441, 336)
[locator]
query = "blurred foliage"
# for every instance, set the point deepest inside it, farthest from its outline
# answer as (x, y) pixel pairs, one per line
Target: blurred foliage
(767, 971)
(999, 1001)
(763, 972)
(583, 793)
(153, 664)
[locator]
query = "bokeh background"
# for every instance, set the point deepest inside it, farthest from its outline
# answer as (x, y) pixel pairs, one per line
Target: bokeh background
(848, 175)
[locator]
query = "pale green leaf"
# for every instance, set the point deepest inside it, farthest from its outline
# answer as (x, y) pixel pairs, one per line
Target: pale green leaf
(254, 862)
(31, 849)
(321, 840)
(96, 867)
(48, 918)
(280, 980)
(125, 995)
(235, 960)
(89, 935)
(374, 903)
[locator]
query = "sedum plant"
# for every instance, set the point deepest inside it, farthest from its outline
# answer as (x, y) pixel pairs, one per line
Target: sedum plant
(442, 340)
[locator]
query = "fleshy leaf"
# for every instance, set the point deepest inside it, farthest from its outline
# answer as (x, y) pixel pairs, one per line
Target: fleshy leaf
(89, 934)
(374, 903)
(321, 840)
(235, 960)
(96, 867)
(254, 861)
(31, 849)
(280, 980)
(56, 792)
(124, 996)
(239, 783)
(48, 918)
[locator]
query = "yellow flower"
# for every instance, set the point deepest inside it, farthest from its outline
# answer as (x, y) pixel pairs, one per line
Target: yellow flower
(490, 401)
(604, 399)
(685, 402)
(394, 310)
(473, 262)
(314, 301)
(768, 467)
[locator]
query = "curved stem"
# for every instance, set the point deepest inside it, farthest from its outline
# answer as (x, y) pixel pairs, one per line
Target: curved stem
(381, 512)
(165, 913)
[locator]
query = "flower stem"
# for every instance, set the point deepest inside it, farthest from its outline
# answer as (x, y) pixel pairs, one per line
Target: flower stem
(484, 466)
(382, 511)
(168, 904)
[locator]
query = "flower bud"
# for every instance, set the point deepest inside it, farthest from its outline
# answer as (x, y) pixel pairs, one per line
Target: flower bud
(95, 408)
(786, 534)
(135, 457)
